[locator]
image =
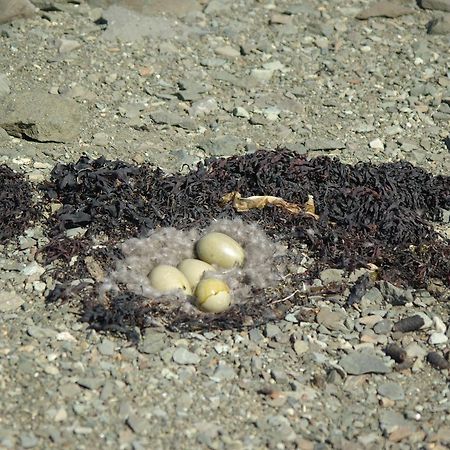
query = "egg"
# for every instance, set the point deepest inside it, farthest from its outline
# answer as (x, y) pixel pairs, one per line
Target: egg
(165, 278)
(213, 295)
(193, 270)
(220, 249)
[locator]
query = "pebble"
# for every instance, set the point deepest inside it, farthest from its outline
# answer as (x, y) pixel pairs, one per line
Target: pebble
(324, 144)
(358, 363)
(438, 338)
(241, 112)
(101, 139)
(376, 144)
(223, 372)
(442, 5)
(106, 348)
(183, 356)
(5, 88)
(262, 75)
(61, 123)
(391, 390)
(411, 323)
(10, 301)
(385, 8)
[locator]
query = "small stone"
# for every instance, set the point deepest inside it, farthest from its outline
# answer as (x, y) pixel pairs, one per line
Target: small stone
(223, 372)
(183, 356)
(391, 390)
(67, 45)
(10, 301)
(440, 25)
(438, 338)
(261, 75)
(137, 424)
(16, 9)
(279, 376)
(227, 51)
(101, 139)
(385, 8)
(90, 383)
(29, 440)
(4, 85)
(415, 350)
(358, 363)
(333, 320)
(106, 348)
(441, 5)
(61, 415)
(324, 144)
(203, 107)
(329, 276)
(383, 326)
(376, 144)
(241, 112)
(439, 324)
(300, 347)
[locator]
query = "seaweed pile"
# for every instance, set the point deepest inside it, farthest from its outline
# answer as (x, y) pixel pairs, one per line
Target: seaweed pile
(17, 209)
(379, 214)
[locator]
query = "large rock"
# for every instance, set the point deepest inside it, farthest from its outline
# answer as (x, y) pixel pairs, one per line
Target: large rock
(15, 9)
(128, 26)
(442, 5)
(40, 116)
(179, 8)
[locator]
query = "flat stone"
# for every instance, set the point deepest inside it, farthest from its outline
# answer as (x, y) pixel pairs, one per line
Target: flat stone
(41, 117)
(241, 112)
(227, 51)
(16, 9)
(441, 5)
(331, 276)
(438, 338)
(376, 144)
(10, 301)
(221, 145)
(106, 347)
(4, 85)
(333, 320)
(261, 75)
(440, 25)
(183, 356)
(203, 107)
(223, 372)
(91, 383)
(324, 144)
(385, 8)
(358, 363)
(391, 390)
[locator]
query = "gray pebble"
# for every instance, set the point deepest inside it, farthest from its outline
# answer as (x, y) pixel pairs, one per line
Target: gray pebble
(357, 363)
(223, 372)
(10, 301)
(106, 348)
(183, 356)
(324, 144)
(392, 391)
(383, 326)
(28, 440)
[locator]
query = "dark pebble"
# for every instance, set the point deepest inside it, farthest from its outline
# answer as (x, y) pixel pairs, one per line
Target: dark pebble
(412, 323)
(437, 361)
(395, 352)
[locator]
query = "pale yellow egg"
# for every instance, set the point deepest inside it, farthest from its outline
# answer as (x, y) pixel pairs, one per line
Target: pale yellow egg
(220, 249)
(193, 270)
(165, 278)
(213, 295)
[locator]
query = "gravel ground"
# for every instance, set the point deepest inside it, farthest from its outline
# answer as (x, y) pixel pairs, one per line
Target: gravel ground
(174, 82)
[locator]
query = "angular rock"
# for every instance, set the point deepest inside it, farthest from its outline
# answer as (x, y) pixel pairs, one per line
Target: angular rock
(184, 356)
(441, 5)
(392, 391)
(4, 86)
(324, 144)
(441, 25)
(358, 363)
(41, 117)
(10, 301)
(386, 8)
(16, 9)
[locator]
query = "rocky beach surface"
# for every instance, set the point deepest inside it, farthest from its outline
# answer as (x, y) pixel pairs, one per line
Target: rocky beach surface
(350, 353)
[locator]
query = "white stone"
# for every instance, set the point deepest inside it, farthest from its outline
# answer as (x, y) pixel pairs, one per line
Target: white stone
(376, 144)
(438, 338)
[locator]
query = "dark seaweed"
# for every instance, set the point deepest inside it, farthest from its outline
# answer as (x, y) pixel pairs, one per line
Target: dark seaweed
(17, 209)
(379, 214)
